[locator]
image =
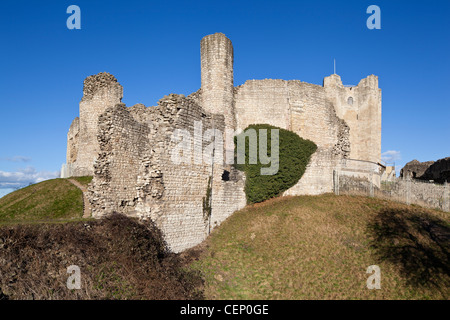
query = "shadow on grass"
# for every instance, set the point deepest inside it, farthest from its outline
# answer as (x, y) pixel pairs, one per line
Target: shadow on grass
(417, 243)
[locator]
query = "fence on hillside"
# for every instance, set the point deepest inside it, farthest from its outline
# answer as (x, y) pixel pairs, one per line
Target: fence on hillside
(409, 191)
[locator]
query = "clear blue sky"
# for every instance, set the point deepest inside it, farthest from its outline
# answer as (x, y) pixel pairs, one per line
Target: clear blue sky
(153, 49)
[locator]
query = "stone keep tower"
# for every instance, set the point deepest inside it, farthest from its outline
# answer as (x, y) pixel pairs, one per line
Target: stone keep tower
(100, 91)
(360, 107)
(217, 77)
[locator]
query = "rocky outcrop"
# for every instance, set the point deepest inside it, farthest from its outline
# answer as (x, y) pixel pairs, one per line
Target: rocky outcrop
(438, 171)
(415, 169)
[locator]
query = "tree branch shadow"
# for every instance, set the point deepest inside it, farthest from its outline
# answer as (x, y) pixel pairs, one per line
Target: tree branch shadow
(417, 243)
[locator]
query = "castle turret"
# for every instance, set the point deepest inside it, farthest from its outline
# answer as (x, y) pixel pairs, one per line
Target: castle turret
(100, 91)
(217, 76)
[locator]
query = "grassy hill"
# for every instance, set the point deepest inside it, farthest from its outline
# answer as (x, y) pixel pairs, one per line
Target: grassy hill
(45, 201)
(119, 257)
(308, 247)
(319, 247)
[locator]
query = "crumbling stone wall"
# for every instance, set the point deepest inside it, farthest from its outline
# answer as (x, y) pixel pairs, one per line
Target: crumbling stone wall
(135, 174)
(122, 142)
(425, 194)
(72, 141)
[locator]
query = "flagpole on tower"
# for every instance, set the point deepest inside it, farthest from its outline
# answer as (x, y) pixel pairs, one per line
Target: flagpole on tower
(334, 66)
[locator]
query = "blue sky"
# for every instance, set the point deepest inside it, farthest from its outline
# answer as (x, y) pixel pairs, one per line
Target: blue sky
(153, 49)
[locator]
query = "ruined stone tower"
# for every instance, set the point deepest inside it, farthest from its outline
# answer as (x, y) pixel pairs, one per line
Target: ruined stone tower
(100, 91)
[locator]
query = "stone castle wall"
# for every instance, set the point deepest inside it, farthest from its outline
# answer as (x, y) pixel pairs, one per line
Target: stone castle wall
(136, 175)
(303, 108)
(409, 191)
(424, 194)
(129, 150)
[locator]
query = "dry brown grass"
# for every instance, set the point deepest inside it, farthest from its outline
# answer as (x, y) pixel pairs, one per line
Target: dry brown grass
(319, 247)
(119, 258)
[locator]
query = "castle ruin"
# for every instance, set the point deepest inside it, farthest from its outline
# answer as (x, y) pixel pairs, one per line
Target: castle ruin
(128, 149)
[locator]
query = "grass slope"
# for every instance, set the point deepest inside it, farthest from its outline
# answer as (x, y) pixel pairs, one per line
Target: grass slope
(48, 200)
(319, 247)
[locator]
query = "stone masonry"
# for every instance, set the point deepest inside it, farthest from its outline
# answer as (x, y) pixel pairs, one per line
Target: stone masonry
(129, 150)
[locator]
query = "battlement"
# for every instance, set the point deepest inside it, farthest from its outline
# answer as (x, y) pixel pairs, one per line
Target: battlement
(371, 82)
(335, 81)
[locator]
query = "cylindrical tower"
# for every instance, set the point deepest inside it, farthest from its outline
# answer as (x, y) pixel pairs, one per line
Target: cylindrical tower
(217, 76)
(100, 91)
